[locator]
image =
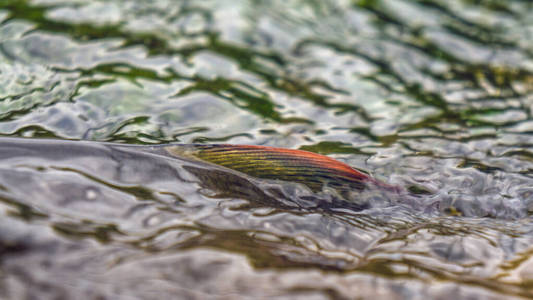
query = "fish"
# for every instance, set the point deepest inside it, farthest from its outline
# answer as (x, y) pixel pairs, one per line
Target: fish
(229, 170)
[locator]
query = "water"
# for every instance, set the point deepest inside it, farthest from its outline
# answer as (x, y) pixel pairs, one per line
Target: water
(432, 96)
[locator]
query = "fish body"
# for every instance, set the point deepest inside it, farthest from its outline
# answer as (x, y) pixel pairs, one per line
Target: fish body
(228, 171)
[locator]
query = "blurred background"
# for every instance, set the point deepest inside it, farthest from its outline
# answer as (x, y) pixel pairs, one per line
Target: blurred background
(432, 95)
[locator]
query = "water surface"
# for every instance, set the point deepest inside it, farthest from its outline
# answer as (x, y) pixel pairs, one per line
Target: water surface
(432, 96)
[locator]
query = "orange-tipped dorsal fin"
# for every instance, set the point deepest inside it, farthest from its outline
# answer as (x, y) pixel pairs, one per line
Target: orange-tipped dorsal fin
(311, 169)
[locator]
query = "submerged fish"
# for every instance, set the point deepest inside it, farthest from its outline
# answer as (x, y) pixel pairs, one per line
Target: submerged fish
(229, 170)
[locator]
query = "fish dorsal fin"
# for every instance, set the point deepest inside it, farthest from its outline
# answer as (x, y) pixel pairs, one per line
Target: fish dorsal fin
(308, 168)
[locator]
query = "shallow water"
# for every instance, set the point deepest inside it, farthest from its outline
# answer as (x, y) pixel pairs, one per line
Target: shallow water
(432, 96)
